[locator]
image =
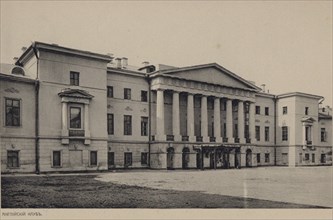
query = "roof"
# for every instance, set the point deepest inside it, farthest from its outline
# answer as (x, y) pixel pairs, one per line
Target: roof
(60, 49)
(75, 93)
(290, 94)
(214, 65)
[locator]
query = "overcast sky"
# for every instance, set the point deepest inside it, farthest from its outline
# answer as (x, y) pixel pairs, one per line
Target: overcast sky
(285, 45)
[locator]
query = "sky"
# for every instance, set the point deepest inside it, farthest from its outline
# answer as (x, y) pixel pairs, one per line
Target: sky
(286, 45)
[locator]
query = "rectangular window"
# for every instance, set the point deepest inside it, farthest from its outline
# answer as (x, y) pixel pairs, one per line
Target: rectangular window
(306, 110)
(224, 106)
(144, 126)
(267, 158)
(110, 124)
(128, 159)
(111, 158)
(284, 133)
(13, 159)
(13, 110)
(322, 135)
(110, 91)
(258, 158)
(224, 130)
(284, 110)
(235, 130)
(258, 133)
(323, 158)
(127, 125)
(74, 78)
(144, 96)
(56, 159)
(267, 134)
(93, 158)
(127, 93)
(75, 117)
(308, 133)
(257, 110)
(144, 158)
(300, 157)
(307, 157)
(313, 156)
(266, 110)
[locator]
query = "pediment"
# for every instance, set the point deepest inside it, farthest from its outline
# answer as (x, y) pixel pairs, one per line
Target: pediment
(75, 93)
(308, 119)
(212, 73)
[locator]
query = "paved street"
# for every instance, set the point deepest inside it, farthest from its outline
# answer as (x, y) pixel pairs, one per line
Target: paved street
(306, 185)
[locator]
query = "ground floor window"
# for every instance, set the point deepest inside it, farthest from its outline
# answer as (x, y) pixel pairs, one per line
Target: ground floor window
(13, 159)
(144, 158)
(313, 158)
(128, 159)
(307, 157)
(93, 158)
(111, 158)
(300, 157)
(56, 158)
(258, 158)
(267, 158)
(323, 158)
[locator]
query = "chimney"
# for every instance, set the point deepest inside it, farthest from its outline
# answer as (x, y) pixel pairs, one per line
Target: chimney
(145, 63)
(118, 63)
(263, 87)
(125, 62)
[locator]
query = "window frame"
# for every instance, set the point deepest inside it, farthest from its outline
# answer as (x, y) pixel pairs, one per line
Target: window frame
(285, 110)
(81, 118)
(109, 91)
(306, 110)
(60, 158)
(284, 133)
(144, 96)
(144, 126)
(131, 157)
(127, 93)
(128, 125)
(110, 127)
(91, 157)
(307, 157)
(257, 132)
(257, 109)
(74, 78)
(267, 133)
(313, 157)
(323, 135)
(266, 110)
(144, 157)
(19, 112)
(18, 164)
(267, 157)
(258, 158)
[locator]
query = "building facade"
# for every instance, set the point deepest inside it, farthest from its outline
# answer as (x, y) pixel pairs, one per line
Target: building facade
(70, 110)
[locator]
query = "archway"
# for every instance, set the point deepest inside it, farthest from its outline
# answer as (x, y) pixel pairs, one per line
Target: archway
(248, 158)
(185, 157)
(170, 158)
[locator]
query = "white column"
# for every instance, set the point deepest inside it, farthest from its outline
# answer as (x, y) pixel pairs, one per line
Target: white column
(64, 130)
(229, 121)
(160, 134)
(252, 122)
(190, 117)
(175, 116)
(241, 125)
(86, 124)
(217, 121)
(204, 119)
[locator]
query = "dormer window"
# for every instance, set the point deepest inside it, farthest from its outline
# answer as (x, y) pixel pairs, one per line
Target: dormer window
(74, 78)
(18, 71)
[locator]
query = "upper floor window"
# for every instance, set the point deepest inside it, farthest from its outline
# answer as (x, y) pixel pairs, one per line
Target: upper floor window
(74, 78)
(144, 96)
(284, 110)
(110, 124)
(127, 93)
(258, 133)
(266, 133)
(284, 133)
(127, 125)
(144, 126)
(110, 91)
(75, 117)
(322, 135)
(257, 110)
(13, 109)
(306, 110)
(266, 110)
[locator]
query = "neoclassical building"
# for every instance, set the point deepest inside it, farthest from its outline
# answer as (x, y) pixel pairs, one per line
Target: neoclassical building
(71, 110)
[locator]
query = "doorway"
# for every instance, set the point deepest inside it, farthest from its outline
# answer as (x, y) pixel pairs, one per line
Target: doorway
(248, 158)
(170, 158)
(185, 157)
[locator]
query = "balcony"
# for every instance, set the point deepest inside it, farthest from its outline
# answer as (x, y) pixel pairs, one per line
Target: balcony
(170, 137)
(236, 139)
(225, 139)
(76, 133)
(212, 139)
(248, 140)
(185, 138)
(198, 138)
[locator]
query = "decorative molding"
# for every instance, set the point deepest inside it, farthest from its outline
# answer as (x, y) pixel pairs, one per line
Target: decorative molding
(12, 90)
(128, 109)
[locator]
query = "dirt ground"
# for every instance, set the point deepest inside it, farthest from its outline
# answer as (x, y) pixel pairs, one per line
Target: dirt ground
(85, 191)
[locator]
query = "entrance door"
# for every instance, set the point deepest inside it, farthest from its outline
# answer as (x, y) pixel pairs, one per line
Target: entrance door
(284, 158)
(225, 160)
(248, 158)
(185, 157)
(199, 165)
(212, 160)
(170, 158)
(237, 158)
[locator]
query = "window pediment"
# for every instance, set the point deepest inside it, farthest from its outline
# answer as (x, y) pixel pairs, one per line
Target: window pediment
(308, 120)
(75, 93)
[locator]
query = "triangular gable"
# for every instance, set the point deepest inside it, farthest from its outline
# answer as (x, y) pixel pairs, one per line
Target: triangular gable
(211, 73)
(308, 119)
(75, 93)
